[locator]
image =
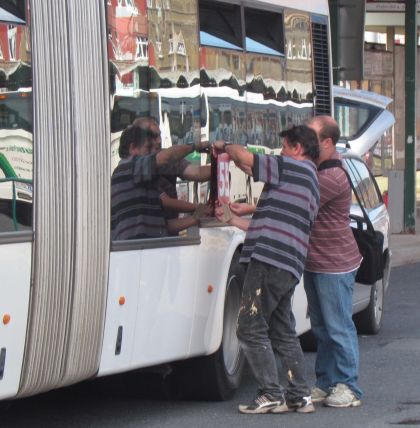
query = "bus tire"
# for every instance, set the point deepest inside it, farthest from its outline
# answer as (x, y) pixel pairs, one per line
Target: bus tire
(308, 342)
(216, 377)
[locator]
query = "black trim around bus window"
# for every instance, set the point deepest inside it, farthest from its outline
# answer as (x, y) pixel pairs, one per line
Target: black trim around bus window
(265, 28)
(13, 11)
(222, 21)
(16, 237)
(191, 238)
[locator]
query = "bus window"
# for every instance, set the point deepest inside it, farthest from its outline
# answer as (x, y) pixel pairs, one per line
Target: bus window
(265, 73)
(154, 84)
(223, 70)
(220, 25)
(299, 77)
(13, 11)
(264, 32)
(16, 161)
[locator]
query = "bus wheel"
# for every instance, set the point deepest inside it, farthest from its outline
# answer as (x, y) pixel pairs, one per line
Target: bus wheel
(217, 376)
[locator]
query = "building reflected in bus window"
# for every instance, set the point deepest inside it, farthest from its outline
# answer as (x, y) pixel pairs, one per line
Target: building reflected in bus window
(174, 69)
(223, 72)
(16, 139)
(298, 52)
(154, 63)
(266, 109)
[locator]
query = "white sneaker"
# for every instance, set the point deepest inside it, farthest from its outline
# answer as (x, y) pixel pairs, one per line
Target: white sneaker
(342, 396)
(318, 395)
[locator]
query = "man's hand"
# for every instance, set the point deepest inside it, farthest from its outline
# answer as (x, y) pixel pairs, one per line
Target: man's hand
(240, 223)
(242, 209)
(200, 212)
(222, 213)
(218, 147)
(239, 154)
(202, 146)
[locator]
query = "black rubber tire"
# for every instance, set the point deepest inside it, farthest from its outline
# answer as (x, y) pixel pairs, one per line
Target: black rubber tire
(208, 378)
(369, 320)
(308, 342)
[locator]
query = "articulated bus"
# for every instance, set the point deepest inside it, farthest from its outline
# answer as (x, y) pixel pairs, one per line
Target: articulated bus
(74, 304)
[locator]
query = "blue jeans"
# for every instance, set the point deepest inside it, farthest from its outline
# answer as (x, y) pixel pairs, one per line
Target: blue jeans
(266, 326)
(330, 310)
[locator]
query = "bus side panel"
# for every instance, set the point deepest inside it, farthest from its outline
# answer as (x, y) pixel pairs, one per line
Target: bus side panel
(15, 274)
(121, 311)
(159, 287)
(217, 248)
(166, 308)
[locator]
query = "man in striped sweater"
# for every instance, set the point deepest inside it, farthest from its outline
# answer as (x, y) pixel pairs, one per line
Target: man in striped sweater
(136, 207)
(330, 270)
(275, 250)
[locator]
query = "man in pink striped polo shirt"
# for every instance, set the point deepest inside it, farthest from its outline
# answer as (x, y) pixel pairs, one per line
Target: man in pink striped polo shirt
(329, 276)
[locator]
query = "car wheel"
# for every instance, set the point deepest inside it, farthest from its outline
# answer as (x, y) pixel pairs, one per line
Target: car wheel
(369, 320)
(217, 376)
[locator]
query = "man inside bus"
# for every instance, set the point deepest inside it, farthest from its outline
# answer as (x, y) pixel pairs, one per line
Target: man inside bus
(274, 250)
(168, 174)
(136, 208)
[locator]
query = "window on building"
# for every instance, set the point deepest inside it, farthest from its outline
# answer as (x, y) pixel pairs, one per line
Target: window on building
(11, 35)
(142, 44)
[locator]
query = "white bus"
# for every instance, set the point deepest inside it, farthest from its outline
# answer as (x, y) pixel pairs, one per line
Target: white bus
(73, 303)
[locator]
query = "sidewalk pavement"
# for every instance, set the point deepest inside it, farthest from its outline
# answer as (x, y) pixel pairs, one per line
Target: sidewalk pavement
(405, 248)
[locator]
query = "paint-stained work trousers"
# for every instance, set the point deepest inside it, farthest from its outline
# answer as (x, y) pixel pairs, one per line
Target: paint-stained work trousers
(266, 326)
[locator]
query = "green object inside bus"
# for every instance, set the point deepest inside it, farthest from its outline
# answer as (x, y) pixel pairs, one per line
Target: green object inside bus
(194, 157)
(6, 167)
(255, 149)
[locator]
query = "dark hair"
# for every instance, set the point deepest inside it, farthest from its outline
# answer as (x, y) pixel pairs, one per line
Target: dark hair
(306, 137)
(132, 135)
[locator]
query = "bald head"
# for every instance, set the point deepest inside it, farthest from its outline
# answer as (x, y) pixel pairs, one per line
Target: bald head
(325, 127)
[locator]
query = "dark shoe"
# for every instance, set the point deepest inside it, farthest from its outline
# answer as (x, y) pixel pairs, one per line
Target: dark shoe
(301, 405)
(265, 403)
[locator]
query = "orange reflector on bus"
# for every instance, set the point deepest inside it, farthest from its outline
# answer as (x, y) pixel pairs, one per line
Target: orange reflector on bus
(121, 300)
(210, 288)
(6, 319)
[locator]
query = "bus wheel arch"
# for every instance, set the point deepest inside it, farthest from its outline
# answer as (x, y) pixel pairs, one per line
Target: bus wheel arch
(217, 376)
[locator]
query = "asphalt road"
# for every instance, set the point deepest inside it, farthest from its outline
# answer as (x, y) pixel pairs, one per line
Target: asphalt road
(389, 376)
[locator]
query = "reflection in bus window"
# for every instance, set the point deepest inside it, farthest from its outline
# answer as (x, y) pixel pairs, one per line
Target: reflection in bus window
(16, 160)
(298, 76)
(154, 64)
